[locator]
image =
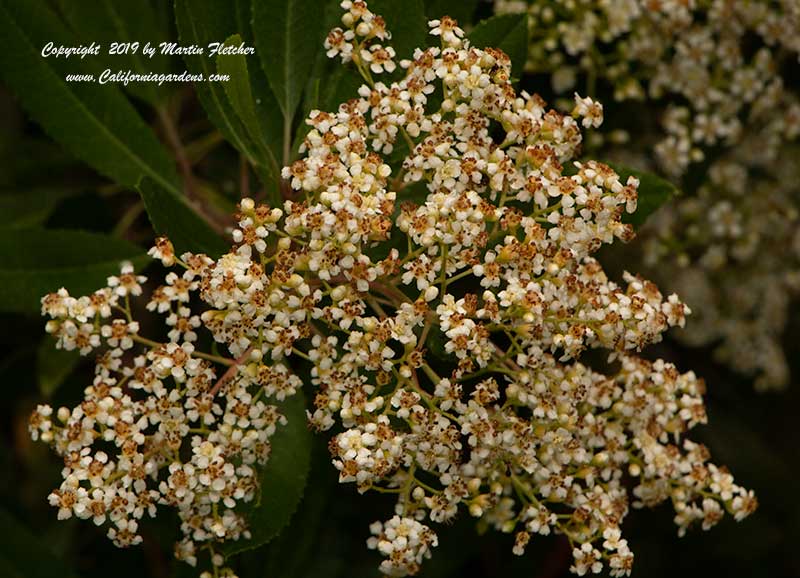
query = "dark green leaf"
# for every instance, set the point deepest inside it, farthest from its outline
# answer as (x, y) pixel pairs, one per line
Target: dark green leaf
(240, 96)
(95, 122)
(269, 113)
(406, 21)
(282, 480)
(244, 20)
(323, 90)
(270, 118)
(112, 21)
(53, 366)
(653, 192)
(341, 86)
(311, 102)
(509, 33)
(34, 262)
(213, 21)
(30, 208)
(461, 10)
(172, 216)
(287, 35)
(33, 162)
(24, 554)
(296, 552)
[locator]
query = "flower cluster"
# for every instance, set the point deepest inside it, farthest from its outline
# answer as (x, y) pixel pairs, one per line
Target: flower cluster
(404, 541)
(733, 252)
(718, 76)
(440, 309)
(715, 65)
(158, 426)
(449, 371)
(359, 43)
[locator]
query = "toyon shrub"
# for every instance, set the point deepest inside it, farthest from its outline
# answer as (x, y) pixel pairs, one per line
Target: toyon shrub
(438, 315)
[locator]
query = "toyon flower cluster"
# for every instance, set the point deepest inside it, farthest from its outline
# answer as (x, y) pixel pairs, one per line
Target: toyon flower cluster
(733, 252)
(716, 65)
(438, 314)
(718, 75)
(161, 425)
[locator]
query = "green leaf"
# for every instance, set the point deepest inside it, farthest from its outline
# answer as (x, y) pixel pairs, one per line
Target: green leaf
(287, 35)
(270, 118)
(95, 122)
(406, 21)
(240, 96)
(172, 216)
(53, 366)
(34, 262)
(298, 551)
(269, 112)
(461, 10)
(321, 90)
(31, 160)
(23, 554)
(112, 21)
(341, 86)
(282, 480)
(200, 24)
(30, 208)
(654, 191)
(244, 20)
(509, 33)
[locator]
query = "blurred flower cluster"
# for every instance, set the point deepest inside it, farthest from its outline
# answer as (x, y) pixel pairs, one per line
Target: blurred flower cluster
(714, 75)
(716, 65)
(733, 252)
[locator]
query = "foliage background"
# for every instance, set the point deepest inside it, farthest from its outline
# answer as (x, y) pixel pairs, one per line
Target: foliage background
(72, 206)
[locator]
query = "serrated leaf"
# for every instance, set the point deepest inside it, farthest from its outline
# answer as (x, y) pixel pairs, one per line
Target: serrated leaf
(53, 366)
(112, 21)
(295, 553)
(23, 554)
(95, 122)
(172, 216)
(240, 95)
(654, 191)
(282, 480)
(213, 21)
(34, 262)
(509, 33)
(287, 34)
(269, 113)
(30, 208)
